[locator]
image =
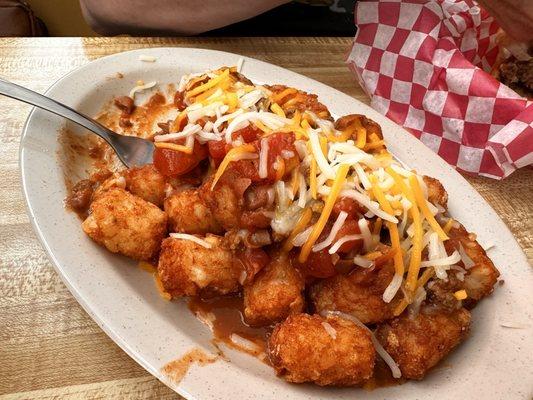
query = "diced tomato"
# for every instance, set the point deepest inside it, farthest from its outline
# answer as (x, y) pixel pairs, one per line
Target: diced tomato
(245, 169)
(218, 150)
(176, 163)
(276, 144)
(248, 168)
(349, 206)
(249, 133)
(318, 265)
(350, 227)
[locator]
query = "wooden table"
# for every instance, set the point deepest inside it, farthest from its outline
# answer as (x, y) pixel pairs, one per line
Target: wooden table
(49, 347)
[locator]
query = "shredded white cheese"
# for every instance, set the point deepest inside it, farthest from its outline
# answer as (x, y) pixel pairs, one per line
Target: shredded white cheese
(146, 58)
(192, 238)
(140, 88)
(339, 222)
(263, 159)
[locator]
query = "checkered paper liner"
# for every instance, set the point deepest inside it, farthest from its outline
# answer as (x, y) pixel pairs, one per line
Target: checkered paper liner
(426, 65)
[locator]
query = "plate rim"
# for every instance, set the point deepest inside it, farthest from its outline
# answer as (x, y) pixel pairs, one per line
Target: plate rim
(122, 343)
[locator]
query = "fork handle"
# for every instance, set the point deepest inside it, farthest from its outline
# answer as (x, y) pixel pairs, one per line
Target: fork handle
(17, 92)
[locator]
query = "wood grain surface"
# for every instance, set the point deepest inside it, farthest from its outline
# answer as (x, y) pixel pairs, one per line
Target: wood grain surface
(49, 347)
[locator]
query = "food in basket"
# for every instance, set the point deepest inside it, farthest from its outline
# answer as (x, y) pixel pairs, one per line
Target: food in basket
(514, 65)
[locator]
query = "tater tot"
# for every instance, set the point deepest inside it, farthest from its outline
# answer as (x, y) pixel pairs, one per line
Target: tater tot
(275, 293)
(481, 277)
(326, 351)
(436, 192)
(115, 180)
(147, 183)
(419, 343)
(226, 199)
(126, 224)
(189, 269)
(298, 100)
(188, 213)
(359, 294)
(372, 128)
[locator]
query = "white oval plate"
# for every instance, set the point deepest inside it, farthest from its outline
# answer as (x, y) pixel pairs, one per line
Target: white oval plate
(495, 362)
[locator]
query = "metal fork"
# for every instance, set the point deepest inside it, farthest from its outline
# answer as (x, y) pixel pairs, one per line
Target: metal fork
(131, 150)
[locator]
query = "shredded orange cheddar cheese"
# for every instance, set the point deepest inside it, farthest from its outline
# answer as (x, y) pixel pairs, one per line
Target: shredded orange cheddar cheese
(276, 109)
(209, 84)
(422, 203)
(324, 216)
(277, 97)
(424, 278)
(174, 146)
(395, 243)
(231, 156)
(448, 226)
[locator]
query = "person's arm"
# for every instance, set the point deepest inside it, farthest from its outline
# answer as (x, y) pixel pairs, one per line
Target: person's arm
(183, 17)
(514, 16)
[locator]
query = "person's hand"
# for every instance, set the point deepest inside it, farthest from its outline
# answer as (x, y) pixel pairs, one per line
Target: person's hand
(514, 16)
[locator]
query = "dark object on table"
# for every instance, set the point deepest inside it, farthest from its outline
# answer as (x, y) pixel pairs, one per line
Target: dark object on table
(18, 19)
(518, 75)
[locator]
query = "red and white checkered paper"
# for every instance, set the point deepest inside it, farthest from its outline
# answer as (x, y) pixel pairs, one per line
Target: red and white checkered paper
(424, 63)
